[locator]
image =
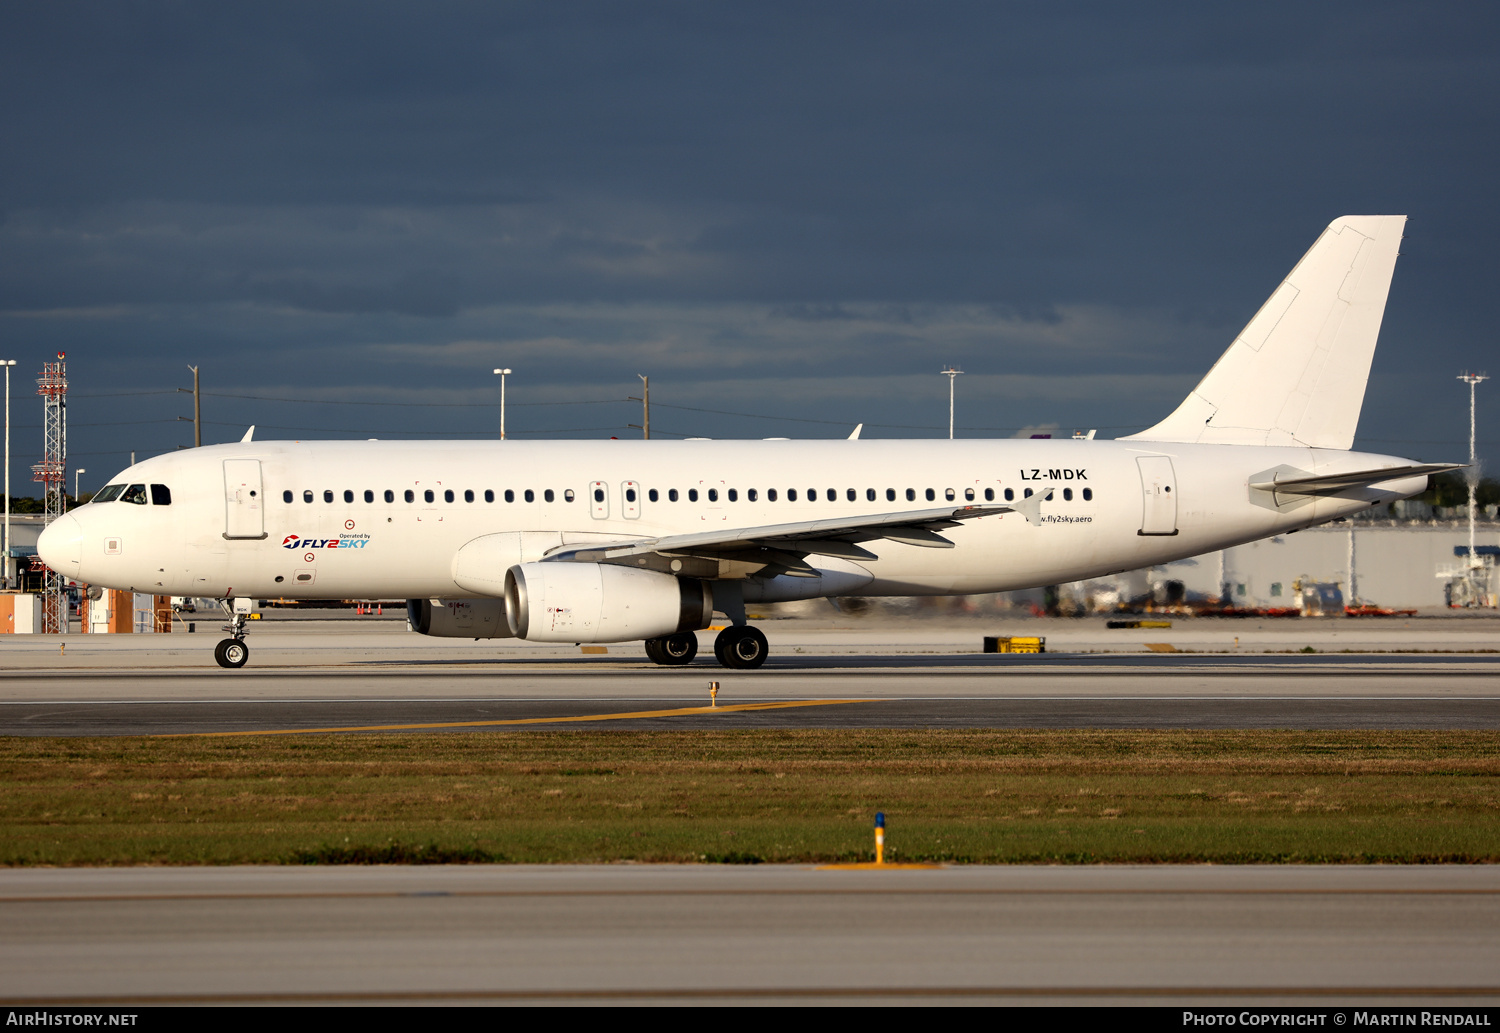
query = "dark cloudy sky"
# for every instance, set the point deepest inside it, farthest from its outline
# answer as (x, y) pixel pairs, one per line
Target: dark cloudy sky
(348, 214)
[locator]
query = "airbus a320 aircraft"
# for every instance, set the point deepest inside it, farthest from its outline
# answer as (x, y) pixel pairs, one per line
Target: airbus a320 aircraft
(572, 541)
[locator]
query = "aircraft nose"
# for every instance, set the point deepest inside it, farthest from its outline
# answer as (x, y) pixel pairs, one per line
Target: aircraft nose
(61, 545)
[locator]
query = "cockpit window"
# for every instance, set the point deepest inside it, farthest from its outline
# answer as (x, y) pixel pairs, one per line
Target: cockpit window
(161, 495)
(109, 493)
(136, 493)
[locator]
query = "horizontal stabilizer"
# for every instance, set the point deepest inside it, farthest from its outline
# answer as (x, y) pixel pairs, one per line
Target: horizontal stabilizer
(1333, 483)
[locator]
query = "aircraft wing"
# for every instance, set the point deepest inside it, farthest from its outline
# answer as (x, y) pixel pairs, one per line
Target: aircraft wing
(1332, 484)
(779, 543)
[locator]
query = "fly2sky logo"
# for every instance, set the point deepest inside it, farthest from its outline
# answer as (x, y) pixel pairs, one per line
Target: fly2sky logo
(343, 541)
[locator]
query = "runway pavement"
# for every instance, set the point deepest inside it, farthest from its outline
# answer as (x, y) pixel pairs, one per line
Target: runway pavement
(1353, 936)
(325, 674)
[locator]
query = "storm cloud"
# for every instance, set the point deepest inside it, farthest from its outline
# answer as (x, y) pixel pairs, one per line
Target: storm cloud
(789, 215)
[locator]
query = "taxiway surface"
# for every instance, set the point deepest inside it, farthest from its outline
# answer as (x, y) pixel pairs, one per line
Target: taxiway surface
(653, 934)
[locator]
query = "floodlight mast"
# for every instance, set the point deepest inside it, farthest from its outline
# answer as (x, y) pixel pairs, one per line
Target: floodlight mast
(52, 474)
(5, 575)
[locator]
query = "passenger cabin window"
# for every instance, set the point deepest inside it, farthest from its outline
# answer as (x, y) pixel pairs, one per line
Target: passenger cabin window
(468, 494)
(307, 496)
(890, 494)
(369, 495)
(428, 496)
(1010, 494)
(949, 494)
(629, 495)
(870, 494)
(734, 495)
(911, 494)
(969, 494)
(851, 495)
(489, 494)
(713, 494)
(448, 495)
(751, 495)
(411, 496)
(110, 492)
(286, 496)
(510, 496)
(530, 495)
(1088, 494)
(348, 495)
(390, 496)
(548, 496)
(1067, 494)
(650, 494)
(931, 495)
(161, 495)
(568, 495)
(791, 494)
(327, 495)
(692, 494)
(135, 494)
(771, 494)
(671, 494)
(989, 494)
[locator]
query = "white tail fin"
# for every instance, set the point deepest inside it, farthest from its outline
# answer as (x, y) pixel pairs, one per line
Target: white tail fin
(1296, 374)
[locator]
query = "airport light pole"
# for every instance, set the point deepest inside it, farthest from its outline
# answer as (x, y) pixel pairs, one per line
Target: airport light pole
(502, 374)
(645, 407)
(76, 472)
(952, 373)
(5, 562)
(1473, 380)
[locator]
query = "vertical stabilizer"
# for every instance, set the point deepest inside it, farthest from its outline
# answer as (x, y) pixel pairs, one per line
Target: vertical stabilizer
(1296, 374)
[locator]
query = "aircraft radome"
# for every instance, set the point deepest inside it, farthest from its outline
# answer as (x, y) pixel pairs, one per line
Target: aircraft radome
(581, 541)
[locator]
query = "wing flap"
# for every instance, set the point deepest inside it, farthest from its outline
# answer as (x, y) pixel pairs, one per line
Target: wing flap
(836, 537)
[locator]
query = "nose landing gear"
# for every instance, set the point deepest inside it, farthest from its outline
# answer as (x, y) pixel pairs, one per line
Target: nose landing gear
(232, 651)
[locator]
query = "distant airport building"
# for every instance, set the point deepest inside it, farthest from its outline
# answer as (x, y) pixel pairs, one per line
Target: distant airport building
(1388, 563)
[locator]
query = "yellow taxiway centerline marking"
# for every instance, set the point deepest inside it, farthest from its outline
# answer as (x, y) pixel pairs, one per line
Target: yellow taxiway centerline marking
(682, 712)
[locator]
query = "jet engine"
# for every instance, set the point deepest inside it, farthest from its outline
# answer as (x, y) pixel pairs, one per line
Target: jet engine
(458, 618)
(602, 602)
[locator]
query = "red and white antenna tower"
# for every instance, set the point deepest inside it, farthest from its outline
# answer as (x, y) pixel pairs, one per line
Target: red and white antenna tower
(52, 474)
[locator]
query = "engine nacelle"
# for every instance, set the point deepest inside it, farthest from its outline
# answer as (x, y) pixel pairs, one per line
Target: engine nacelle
(602, 602)
(458, 618)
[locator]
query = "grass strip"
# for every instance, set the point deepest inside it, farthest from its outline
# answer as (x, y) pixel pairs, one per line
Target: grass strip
(746, 797)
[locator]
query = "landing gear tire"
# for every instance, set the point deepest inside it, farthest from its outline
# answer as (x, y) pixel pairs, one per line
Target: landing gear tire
(742, 648)
(231, 653)
(674, 650)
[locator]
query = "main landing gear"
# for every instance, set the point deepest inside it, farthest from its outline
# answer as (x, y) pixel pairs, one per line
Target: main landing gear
(738, 646)
(741, 646)
(674, 650)
(232, 651)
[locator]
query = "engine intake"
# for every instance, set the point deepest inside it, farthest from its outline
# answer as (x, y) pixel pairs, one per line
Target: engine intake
(602, 602)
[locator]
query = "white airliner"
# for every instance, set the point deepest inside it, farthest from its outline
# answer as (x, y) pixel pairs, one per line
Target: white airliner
(573, 541)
